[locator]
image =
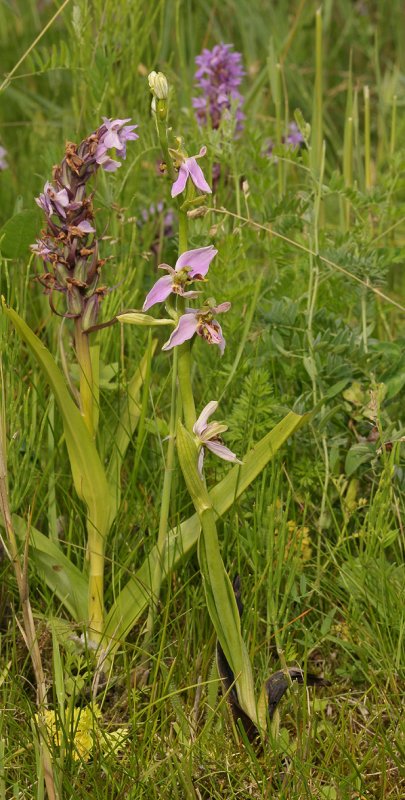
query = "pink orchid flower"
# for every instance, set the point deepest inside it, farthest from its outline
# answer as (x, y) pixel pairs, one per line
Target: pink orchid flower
(190, 169)
(192, 265)
(202, 322)
(52, 201)
(209, 437)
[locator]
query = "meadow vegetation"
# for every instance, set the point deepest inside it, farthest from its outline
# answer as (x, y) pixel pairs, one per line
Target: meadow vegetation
(307, 214)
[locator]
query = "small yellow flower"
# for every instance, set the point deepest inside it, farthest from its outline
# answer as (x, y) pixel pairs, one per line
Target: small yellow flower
(86, 728)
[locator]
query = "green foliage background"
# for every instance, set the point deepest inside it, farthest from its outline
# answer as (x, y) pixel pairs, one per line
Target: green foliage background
(341, 478)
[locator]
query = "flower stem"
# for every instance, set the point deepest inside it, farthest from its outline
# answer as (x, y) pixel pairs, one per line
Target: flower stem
(165, 505)
(162, 133)
(86, 375)
(184, 355)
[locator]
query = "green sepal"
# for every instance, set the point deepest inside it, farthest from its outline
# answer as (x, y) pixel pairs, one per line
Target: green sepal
(139, 318)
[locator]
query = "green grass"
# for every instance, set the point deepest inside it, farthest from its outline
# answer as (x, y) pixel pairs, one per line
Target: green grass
(313, 330)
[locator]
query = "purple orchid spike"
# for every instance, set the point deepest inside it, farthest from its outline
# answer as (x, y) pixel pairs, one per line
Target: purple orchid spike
(218, 76)
(190, 169)
(192, 265)
(208, 435)
(69, 245)
(202, 322)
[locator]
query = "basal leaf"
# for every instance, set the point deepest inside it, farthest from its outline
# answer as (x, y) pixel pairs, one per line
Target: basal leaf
(56, 569)
(88, 474)
(135, 596)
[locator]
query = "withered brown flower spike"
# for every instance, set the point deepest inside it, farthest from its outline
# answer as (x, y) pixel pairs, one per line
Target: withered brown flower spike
(275, 686)
(68, 245)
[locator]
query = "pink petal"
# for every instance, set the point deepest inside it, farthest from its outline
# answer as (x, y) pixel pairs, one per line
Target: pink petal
(158, 292)
(221, 308)
(111, 139)
(179, 185)
(222, 452)
(197, 175)
(221, 341)
(85, 226)
(199, 260)
(167, 267)
(62, 197)
(202, 420)
(108, 164)
(186, 329)
(214, 335)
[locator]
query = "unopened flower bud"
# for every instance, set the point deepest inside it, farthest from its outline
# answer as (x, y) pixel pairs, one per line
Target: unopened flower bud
(74, 300)
(90, 314)
(61, 273)
(197, 212)
(80, 270)
(158, 85)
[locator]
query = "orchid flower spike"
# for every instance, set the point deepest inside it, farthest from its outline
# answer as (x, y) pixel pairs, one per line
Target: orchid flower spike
(192, 265)
(190, 169)
(208, 436)
(202, 322)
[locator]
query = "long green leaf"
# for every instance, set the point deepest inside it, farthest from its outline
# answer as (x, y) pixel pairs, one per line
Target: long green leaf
(135, 596)
(219, 594)
(126, 427)
(53, 567)
(88, 474)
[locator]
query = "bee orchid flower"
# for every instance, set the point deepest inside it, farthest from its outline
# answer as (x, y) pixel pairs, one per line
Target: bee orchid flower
(190, 169)
(202, 322)
(192, 265)
(208, 436)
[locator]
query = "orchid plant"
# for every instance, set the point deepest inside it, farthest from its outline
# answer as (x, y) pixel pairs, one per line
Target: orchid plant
(69, 250)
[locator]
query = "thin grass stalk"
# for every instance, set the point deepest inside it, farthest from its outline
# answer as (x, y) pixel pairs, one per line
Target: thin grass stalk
(2, 771)
(348, 168)
(367, 139)
(393, 135)
(52, 513)
(317, 112)
(275, 73)
(348, 150)
(31, 640)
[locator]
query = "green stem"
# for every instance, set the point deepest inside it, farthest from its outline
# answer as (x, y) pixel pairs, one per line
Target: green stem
(367, 139)
(162, 133)
(86, 375)
(317, 114)
(165, 506)
(184, 354)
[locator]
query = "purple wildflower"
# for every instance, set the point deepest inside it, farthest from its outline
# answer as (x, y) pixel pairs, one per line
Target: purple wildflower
(208, 437)
(190, 169)
(218, 76)
(202, 322)
(294, 136)
(192, 265)
(3, 158)
(114, 133)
